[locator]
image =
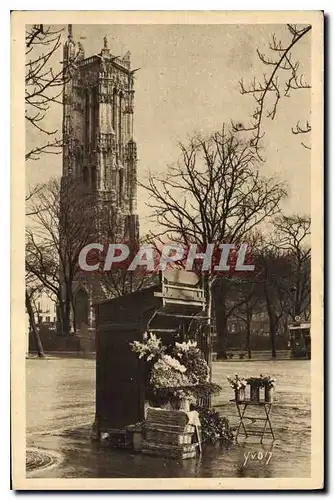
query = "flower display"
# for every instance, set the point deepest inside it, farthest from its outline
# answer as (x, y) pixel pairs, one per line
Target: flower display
(163, 378)
(150, 348)
(262, 381)
(214, 427)
(173, 363)
(268, 381)
(237, 382)
(185, 347)
(179, 370)
(168, 372)
(190, 356)
(185, 394)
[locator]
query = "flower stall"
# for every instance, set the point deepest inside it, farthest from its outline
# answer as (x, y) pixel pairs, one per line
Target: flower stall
(143, 354)
(177, 379)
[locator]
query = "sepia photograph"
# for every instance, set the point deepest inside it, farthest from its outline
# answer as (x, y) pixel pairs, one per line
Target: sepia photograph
(167, 276)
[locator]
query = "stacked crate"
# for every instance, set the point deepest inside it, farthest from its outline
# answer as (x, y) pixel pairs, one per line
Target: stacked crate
(167, 433)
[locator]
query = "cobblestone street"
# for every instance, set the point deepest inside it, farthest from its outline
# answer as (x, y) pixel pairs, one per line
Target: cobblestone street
(60, 411)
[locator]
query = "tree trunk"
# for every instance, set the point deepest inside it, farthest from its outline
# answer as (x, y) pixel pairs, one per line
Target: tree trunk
(74, 314)
(60, 313)
(221, 320)
(272, 322)
(248, 334)
(273, 341)
(273, 331)
(67, 319)
(67, 305)
(40, 350)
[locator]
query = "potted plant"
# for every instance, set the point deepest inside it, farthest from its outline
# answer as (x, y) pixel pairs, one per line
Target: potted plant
(238, 384)
(255, 384)
(269, 384)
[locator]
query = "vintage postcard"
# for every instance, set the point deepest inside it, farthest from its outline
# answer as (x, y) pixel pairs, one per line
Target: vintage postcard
(167, 250)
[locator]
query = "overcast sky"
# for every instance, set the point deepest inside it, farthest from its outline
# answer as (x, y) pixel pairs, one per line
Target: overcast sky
(188, 82)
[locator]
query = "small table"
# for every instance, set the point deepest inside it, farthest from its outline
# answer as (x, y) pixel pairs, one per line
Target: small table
(242, 407)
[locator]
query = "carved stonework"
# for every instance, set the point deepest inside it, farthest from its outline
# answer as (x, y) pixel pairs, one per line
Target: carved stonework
(97, 127)
(78, 106)
(106, 98)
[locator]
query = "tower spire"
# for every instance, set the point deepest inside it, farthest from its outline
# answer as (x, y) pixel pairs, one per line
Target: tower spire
(105, 42)
(69, 32)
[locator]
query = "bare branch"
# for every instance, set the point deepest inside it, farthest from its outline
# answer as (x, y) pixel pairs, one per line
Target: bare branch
(44, 80)
(281, 63)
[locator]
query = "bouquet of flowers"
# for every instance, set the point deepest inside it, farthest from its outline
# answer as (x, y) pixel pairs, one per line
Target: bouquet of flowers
(237, 382)
(150, 348)
(190, 356)
(168, 372)
(268, 381)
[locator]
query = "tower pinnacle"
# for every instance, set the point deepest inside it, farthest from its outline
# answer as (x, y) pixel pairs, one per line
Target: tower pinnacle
(70, 32)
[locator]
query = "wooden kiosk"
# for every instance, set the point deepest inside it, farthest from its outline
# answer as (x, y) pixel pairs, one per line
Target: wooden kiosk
(300, 339)
(168, 309)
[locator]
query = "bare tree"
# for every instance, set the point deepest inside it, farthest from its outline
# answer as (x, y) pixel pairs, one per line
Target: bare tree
(214, 194)
(284, 76)
(283, 261)
(250, 303)
(44, 78)
(64, 219)
(32, 290)
(275, 270)
(291, 234)
(63, 222)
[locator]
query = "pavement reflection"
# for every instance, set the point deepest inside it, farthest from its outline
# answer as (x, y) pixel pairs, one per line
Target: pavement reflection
(60, 411)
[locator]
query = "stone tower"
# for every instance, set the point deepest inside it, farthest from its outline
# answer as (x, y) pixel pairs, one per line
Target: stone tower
(98, 145)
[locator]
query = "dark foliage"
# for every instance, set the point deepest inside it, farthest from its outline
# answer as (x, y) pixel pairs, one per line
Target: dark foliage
(214, 427)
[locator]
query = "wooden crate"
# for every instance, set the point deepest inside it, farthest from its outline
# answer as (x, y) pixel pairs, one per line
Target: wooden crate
(168, 434)
(168, 437)
(168, 450)
(170, 418)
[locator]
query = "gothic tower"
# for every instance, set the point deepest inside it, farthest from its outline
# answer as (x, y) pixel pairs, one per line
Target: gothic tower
(98, 146)
(99, 152)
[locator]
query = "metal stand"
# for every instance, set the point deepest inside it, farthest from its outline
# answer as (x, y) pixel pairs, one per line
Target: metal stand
(242, 407)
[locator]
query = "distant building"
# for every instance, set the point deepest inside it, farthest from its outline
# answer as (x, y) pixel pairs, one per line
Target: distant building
(46, 312)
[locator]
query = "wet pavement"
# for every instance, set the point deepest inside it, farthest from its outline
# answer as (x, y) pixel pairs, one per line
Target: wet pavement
(60, 412)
